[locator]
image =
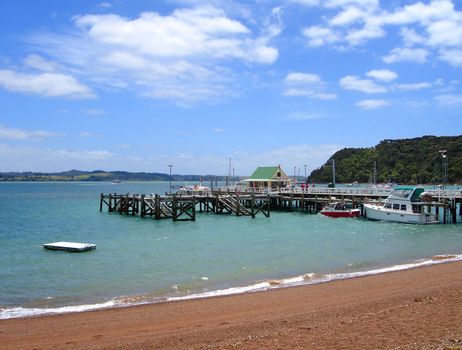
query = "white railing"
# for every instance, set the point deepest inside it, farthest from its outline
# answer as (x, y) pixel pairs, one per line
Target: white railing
(338, 191)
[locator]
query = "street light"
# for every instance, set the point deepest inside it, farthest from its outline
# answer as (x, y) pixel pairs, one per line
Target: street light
(305, 171)
(170, 166)
(444, 161)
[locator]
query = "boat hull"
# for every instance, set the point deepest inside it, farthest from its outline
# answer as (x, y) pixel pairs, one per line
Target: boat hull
(341, 213)
(374, 212)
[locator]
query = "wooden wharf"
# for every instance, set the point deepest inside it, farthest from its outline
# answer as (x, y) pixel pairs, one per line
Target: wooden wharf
(184, 207)
(447, 204)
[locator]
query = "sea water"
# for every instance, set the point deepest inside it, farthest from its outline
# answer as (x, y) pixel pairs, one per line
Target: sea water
(141, 260)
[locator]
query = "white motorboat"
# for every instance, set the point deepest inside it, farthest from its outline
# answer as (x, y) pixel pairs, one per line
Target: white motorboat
(404, 205)
(194, 190)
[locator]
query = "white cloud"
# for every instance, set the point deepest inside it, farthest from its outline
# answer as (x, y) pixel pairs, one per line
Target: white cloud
(306, 85)
(366, 4)
(372, 104)
(319, 36)
(367, 86)
(301, 78)
(218, 130)
(45, 159)
(406, 54)
(453, 57)
(411, 37)
(382, 75)
(39, 63)
(306, 2)
(449, 100)
(105, 4)
(324, 96)
(44, 84)
(19, 134)
(183, 56)
(445, 33)
(288, 157)
(26, 158)
(348, 16)
(432, 26)
(414, 87)
(361, 36)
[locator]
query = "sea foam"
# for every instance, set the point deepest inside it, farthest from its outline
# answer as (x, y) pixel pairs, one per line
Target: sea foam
(309, 278)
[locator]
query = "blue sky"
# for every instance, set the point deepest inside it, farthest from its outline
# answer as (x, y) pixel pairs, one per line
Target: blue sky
(136, 85)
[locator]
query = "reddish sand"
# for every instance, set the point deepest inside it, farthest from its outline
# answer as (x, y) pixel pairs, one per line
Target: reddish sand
(414, 309)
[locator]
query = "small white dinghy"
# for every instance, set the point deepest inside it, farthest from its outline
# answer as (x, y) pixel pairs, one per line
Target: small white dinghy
(70, 246)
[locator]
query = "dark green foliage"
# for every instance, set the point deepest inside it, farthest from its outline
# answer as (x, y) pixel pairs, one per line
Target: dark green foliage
(408, 161)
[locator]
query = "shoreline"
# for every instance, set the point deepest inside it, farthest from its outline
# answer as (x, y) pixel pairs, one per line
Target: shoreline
(416, 308)
(259, 286)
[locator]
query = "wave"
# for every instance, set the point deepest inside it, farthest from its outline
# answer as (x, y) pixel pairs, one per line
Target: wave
(309, 278)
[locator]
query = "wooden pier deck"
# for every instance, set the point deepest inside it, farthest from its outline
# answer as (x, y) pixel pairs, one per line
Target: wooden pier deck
(183, 207)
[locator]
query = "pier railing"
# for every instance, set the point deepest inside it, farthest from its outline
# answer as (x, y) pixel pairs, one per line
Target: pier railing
(338, 191)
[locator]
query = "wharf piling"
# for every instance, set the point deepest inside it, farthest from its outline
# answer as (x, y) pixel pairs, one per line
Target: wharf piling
(183, 207)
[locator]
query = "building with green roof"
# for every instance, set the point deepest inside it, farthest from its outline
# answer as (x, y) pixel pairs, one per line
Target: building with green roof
(268, 177)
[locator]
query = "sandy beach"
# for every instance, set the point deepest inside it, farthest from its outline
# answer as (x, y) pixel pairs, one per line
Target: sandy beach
(419, 308)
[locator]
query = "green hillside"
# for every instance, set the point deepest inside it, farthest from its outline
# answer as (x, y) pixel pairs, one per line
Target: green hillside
(407, 161)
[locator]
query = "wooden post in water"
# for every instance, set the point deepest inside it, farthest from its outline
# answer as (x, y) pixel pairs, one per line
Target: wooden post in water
(238, 206)
(157, 206)
(252, 205)
(175, 208)
(194, 208)
(444, 211)
(143, 206)
(101, 202)
(109, 209)
(453, 211)
(134, 205)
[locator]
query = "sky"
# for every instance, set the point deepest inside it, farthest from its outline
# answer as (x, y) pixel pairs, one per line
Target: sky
(136, 85)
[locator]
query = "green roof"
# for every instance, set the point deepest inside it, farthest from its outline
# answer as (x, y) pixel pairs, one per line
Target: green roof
(264, 172)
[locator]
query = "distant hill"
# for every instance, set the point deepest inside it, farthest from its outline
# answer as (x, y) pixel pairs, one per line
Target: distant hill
(99, 175)
(407, 161)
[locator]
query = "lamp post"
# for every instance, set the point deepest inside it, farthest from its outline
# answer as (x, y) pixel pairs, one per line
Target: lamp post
(444, 161)
(170, 166)
(305, 171)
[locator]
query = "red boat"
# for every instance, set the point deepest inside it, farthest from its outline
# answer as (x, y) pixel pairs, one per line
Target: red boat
(340, 210)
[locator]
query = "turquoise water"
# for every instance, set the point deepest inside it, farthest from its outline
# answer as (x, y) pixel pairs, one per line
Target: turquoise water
(143, 260)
